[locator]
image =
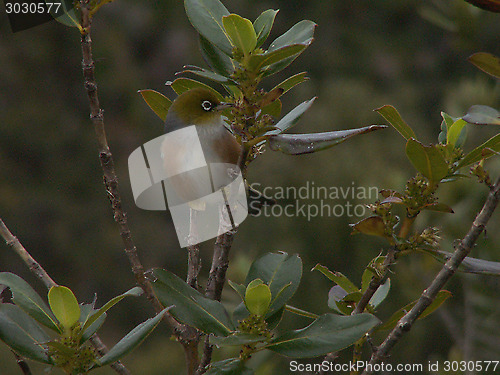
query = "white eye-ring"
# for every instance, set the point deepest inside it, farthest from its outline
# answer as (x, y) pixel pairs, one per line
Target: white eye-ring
(207, 105)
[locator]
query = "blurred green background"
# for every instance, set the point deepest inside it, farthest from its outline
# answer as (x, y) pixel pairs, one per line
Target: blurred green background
(410, 54)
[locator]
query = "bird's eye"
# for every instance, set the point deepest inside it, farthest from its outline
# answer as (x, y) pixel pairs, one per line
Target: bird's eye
(207, 105)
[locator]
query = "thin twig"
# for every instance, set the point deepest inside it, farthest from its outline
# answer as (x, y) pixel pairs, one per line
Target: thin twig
(33, 265)
(183, 333)
(446, 272)
(194, 266)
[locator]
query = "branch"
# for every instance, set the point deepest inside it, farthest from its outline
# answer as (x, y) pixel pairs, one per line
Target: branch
(33, 265)
(184, 334)
(447, 271)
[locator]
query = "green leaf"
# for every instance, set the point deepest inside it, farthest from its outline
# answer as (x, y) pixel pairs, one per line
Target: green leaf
(24, 296)
(231, 366)
(263, 25)
(381, 293)
(487, 62)
(134, 292)
(86, 311)
(215, 58)
(206, 17)
(21, 333)
(469, 264)
(445, 126)
(291, 82)
(372, 226)
(241, 33)
(64, 305)
(438, 207)
(181, 85)
(328, 333)
(159, 103)
(298, 144)
(132, 339)
(484, 151)
(301, 33)
(66, 13)
(258, 62)
(238, 288)
(394, 118)
(428, 160)
(482, 115)
(292, 117)
(337, 277)
(257, 297)
(273, 109)
(456, 131)
(277, 270)
(236, 339)
(191, 307)
(442, 296)
(209, 75)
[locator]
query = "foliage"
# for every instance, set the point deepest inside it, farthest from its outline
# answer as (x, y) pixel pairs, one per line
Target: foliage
(23, 327)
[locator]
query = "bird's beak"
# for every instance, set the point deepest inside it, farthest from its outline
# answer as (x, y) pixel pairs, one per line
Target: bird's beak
(222, 106)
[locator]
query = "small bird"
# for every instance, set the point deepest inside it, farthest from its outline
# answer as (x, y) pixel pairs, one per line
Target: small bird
(202, 109)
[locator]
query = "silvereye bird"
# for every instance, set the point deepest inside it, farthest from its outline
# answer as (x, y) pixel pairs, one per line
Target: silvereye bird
(201, 108)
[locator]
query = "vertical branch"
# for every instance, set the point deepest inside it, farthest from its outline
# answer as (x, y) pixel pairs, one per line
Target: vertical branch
(185, 334)
(447, 271)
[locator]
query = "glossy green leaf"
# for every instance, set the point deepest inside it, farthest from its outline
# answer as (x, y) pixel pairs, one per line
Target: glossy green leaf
(215, 58)
(372, 226)
(236, 339)
(337, 277)
(301, 33)
(445, 126)
(291, 118)
(206, 17)
(455, 132)
(298, 144)
(134, 292)
(241, 32)
(257, 297)
(428, 160)
(22, 334)
(259, 62)
(263, 25)
(482, 115)
(291, 82)
(277, 270)
(64, 305)
(231, 366)
(442, 296)
(487, 62)
(87, 310)
(24, 296)
(159, 103)
(132, 339)
(328, 333)
(191, 307)
(484, 151)
(180, 85)
(394, 118)
(335, 295)
(273, 109)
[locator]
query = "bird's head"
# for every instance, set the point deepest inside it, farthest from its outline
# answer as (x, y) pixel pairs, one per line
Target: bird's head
(197, 106)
